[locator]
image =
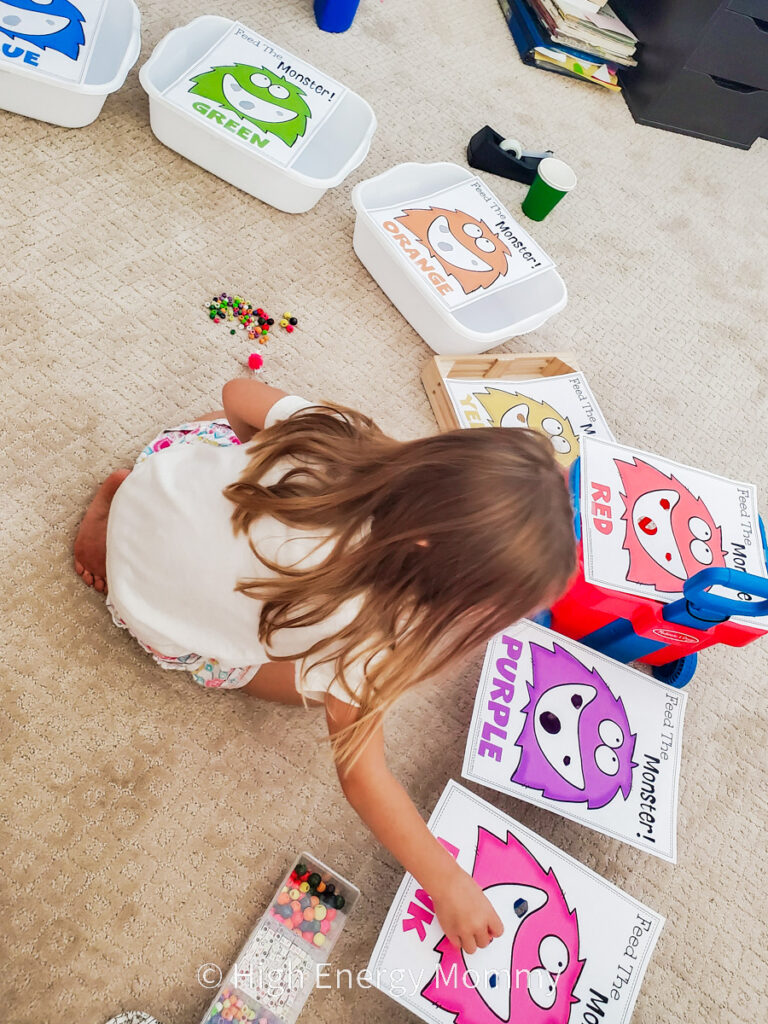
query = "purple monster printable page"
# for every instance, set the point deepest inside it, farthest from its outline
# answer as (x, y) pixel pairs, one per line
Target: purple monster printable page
(649, 524)
(564, 727)
(574, 948)
(49, 37)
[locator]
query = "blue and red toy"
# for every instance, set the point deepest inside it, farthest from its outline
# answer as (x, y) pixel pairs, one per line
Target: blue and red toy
(628, 627)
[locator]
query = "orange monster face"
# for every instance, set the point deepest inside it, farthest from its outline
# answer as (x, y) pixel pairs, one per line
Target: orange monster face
(465, 247)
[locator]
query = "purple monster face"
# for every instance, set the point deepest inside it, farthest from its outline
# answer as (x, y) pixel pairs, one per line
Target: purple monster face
(576, 742)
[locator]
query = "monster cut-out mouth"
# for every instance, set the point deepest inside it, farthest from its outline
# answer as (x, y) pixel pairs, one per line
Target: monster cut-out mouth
(556, 727)
(652, 522)
(30, 23)
(492, 967)
(445, 244)
(252, 106)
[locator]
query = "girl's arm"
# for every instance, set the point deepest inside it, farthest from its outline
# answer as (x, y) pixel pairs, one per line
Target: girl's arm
(246, 404)
(464, 912)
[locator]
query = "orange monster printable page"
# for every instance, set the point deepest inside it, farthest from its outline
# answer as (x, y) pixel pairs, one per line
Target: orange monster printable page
(462, 241)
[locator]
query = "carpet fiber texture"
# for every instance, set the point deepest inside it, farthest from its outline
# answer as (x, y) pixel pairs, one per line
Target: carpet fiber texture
(146, 822)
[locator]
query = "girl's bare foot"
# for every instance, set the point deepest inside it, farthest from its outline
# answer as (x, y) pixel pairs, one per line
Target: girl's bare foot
(91, 540)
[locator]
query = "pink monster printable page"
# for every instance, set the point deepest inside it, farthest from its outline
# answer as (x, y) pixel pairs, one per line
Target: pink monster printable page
(574, 948)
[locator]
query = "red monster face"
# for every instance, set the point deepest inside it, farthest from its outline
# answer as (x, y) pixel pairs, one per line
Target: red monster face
(670, 534)
(465, 247)
(526, 976)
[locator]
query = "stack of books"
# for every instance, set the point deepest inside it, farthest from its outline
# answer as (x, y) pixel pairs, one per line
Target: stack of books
(579, 38)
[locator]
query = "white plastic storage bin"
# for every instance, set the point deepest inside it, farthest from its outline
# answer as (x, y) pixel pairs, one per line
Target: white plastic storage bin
(448, 254)
(59, 62)
(204, 106)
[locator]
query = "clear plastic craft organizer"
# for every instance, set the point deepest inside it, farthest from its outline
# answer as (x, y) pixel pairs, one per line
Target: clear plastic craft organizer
(59, 61)
(252, 113)
(280, 963)
(452, 259)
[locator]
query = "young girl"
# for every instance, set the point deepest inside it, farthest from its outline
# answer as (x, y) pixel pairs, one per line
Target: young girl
(327, 562)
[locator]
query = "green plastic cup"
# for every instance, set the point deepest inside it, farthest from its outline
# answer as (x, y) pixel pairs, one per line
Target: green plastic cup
(553, 179)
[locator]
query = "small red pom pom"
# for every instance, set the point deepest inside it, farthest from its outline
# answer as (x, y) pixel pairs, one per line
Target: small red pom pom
(289, 329)
(255, 361)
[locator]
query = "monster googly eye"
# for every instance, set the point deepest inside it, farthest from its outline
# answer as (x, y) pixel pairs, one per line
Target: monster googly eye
(611, 733)
(699, 528)
(553, 954)
(607, 761)
(542, 988)
(551, 425)
(473, 230)
(560, 444)
(260, 81)
(485, 244)
(701, 552)
(279, 92)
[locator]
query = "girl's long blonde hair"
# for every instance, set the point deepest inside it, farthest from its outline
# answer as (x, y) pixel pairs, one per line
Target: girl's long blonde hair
(452, 536)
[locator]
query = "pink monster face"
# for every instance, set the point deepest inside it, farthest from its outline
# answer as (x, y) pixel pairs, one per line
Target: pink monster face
(527, 975)
(576, 743)
(670, 534)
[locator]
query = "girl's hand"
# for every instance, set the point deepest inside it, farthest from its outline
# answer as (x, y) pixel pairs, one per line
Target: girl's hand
(463, 910)
(465, 913)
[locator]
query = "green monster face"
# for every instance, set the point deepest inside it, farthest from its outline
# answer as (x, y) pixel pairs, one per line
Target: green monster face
(260, 96)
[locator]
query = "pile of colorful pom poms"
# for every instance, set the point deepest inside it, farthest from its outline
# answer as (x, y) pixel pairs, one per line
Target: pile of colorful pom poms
(307, 905)
(251, 318)
(230, 1007)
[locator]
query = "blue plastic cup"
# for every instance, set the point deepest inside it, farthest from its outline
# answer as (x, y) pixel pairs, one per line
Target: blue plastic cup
(335, 15)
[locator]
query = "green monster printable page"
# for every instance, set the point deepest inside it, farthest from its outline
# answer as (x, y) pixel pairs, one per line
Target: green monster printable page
(249, 90)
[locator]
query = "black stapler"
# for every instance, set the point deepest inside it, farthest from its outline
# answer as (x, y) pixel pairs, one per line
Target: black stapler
(489, 151)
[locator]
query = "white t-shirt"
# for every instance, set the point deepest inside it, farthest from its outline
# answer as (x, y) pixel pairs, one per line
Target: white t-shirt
(173, 561)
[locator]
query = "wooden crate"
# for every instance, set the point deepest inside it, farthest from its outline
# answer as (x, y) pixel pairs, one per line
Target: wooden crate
(523, 366)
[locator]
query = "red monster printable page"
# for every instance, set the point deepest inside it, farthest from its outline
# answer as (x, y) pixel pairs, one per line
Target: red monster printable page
(648, 524)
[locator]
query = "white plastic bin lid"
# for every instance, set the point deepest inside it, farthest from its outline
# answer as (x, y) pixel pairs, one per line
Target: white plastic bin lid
(240, 86)
(473, 262)
(84, 47)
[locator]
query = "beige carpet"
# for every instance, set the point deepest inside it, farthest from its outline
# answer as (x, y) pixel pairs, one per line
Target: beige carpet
(145, 822)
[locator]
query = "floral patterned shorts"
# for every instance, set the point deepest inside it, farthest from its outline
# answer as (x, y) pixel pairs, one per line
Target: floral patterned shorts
(205, 671)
